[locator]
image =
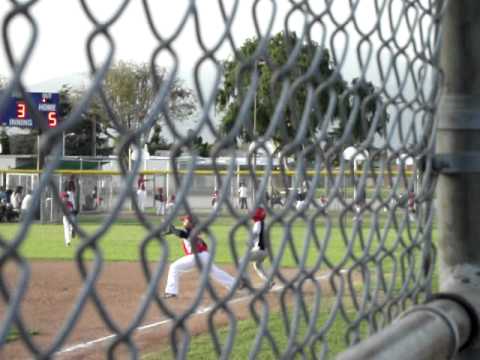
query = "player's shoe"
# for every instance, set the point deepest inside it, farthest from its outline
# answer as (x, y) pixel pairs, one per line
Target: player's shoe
(169, 296)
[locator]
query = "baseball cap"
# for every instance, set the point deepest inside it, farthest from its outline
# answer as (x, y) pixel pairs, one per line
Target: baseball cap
(187, 217)
(259, 214)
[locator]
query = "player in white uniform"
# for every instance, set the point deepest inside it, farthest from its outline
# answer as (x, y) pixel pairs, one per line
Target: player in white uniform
(257, 246)
(67, 226)
(141, 193)
(187, 262)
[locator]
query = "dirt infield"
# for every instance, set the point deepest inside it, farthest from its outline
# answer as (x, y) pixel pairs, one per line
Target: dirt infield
(53, 291)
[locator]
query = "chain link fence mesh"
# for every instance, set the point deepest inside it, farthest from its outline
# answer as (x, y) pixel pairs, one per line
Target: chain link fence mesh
(363, 133)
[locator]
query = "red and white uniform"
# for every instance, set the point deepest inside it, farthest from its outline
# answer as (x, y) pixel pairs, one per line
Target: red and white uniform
(141, 193)
(67, 226)
(160, 198)
(214, 198)
(188, 263)
(258, 246)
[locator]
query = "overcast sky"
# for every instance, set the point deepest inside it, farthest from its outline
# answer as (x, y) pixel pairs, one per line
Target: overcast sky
(64, 28)
(60, 50)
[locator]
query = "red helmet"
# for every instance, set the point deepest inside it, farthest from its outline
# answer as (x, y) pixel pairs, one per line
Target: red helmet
(188, 218)
(259, 214)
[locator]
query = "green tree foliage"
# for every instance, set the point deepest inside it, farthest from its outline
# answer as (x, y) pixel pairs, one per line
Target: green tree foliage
(131, 89)
(4, 142)
(312, 68)
(201, 147)
(78, 140)
(157, 141)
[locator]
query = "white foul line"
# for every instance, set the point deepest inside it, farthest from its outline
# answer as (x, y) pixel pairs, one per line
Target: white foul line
(200, 311)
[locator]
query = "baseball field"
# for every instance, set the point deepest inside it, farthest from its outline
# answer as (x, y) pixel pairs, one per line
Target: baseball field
(55, 285)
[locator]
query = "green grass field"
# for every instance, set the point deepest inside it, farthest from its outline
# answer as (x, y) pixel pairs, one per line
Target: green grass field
(121, 243)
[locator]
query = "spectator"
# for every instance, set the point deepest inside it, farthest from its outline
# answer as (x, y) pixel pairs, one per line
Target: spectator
(26, 203)
(95, 197)
(16, 199)
(3, 195)
(276, 198)
(160, 199)
(214, 198)
(3, 209)
(242, 194)
(411, 205)
(8, 195)
(170, 204)
(300, 197)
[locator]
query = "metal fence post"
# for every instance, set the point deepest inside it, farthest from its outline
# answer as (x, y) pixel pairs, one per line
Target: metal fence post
(458, 156)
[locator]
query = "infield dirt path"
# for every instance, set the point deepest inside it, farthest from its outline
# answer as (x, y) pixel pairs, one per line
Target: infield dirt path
(54, 289)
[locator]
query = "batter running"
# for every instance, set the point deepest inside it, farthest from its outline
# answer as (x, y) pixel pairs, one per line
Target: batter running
(258, 245)
(187, 262)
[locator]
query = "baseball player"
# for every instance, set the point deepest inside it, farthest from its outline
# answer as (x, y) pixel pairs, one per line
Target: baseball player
(258, 245)
(141, 192)
(67, 226)
(160, 198)
(214, 198)
(187, 262)
(411, 205)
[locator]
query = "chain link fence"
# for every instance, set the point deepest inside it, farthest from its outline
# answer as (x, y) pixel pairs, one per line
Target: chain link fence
(353, 94)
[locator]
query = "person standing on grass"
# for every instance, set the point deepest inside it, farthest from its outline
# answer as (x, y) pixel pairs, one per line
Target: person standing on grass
(67, 226)
(16, 199)
(141, 192)
(188, 262)
(72, 196)
(160, 199)
(257, 246)
(170, 204)
(26, 203)
(242, 195)
(214, 198)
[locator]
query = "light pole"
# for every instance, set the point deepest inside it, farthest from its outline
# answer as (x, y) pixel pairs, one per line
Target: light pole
(254, 143)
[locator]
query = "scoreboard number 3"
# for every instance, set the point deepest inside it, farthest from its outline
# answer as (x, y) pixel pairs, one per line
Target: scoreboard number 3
(21, 110)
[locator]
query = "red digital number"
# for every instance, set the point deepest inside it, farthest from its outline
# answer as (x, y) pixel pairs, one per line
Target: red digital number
(52, 119)
(21, 110)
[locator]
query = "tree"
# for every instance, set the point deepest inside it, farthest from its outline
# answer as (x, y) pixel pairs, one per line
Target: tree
(78, 140)
(131, 89)
(157, 141)
(238, 79)
(202, 148)
(4, 142)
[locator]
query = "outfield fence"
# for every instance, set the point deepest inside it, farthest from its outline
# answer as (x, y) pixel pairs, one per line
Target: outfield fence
(382, 93)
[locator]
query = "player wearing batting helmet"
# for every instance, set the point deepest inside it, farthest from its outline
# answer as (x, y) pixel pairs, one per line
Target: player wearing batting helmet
(187, 262)
(258, 245)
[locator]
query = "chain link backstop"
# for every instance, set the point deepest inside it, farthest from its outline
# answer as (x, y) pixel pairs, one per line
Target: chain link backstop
(347, 146)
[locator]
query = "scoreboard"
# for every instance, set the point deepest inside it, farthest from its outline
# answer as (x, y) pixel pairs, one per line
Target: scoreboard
(17, 112)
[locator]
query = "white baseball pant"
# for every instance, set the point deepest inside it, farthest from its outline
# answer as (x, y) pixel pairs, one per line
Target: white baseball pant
(160, 208)
(67, 230)
(141, 199)
(187, 263)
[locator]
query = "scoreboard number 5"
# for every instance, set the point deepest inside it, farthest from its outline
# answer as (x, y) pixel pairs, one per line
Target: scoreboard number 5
(52, 119)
